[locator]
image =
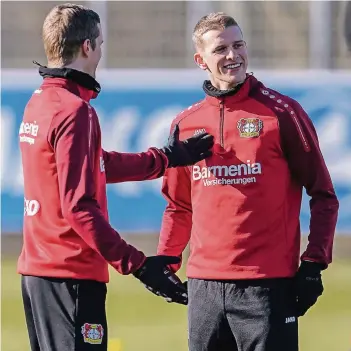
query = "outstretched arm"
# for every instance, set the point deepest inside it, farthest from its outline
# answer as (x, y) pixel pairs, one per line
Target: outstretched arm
(123, 167)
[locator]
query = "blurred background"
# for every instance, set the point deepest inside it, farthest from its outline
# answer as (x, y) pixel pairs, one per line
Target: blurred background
(148, 76)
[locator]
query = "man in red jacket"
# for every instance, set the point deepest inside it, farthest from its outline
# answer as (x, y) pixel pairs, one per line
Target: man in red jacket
(239, 209)
(68, 241)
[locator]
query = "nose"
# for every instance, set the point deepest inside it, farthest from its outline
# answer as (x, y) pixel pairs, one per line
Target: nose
(232, 54)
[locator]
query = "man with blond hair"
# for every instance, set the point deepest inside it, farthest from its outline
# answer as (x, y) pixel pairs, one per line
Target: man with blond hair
(67, 239)
(239, 209)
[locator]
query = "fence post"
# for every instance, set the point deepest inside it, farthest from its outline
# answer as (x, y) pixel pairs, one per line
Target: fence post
(320, 35)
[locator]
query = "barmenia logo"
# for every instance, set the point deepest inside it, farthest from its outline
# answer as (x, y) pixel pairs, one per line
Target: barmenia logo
(227, 175)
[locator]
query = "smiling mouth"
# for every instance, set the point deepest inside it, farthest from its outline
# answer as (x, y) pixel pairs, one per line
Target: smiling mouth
(233, 66)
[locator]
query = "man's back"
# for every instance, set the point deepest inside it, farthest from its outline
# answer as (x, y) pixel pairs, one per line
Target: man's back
(51, 246)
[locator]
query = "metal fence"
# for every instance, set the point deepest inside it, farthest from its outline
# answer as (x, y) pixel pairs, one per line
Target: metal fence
(157, 34)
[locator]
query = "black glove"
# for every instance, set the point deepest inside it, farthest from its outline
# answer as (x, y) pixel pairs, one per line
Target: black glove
(189, 151)
(158, 278)
(177, 298)
(309, 285)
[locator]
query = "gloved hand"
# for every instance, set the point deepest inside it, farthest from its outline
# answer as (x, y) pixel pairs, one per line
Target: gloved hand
(158, 278)
(309, 285)
(181, 299)
(188, 151)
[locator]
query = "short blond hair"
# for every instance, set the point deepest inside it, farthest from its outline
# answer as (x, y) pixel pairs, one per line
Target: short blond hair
(212, 21)
(64, 30)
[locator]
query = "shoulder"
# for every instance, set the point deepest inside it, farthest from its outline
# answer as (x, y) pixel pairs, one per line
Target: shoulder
(69, 106)
(294, 123)
(61, 99)
(276, 100)
(282, 105)
(69, 121)
(188, 112)
(72, 112)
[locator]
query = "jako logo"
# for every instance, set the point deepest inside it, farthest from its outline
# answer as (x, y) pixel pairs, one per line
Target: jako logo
(199, 131)
(290, 320)
(243, 169)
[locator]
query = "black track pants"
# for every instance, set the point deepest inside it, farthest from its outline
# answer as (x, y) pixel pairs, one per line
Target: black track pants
(65, 314)
(253, 315)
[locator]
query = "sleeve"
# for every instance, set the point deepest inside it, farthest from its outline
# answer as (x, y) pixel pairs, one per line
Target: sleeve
(177, 218)
(75, 146)
(306, 162)
(125, 167)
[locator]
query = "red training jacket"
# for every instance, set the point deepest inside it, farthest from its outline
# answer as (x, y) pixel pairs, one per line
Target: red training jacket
(66, 229)
(240, 207)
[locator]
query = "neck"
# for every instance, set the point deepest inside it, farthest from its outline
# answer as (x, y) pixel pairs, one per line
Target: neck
(77, 65)
(222, 85)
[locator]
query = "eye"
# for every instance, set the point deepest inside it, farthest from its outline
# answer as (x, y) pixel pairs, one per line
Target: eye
(220, 49)
(238, 45)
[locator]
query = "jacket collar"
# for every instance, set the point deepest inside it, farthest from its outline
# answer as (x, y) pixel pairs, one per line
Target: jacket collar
(77, 82)
(215, 96)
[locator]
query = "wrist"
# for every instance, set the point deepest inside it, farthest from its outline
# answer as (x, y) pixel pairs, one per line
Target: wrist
(168, 156)
(165, 157)
(138, 268)
(311, 267)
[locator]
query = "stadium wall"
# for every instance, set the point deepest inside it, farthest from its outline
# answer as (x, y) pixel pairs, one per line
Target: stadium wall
(136, 108)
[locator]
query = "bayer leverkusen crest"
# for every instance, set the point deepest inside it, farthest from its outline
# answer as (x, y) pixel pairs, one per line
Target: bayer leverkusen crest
(92, 333)
(249, 127)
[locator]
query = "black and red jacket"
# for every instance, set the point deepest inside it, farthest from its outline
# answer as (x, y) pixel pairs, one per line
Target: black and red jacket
(240, 208)
(66, 229)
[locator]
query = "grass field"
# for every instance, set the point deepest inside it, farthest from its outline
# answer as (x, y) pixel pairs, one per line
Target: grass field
(144, 322)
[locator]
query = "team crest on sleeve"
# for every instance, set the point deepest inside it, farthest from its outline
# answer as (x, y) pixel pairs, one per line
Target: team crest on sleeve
(92, 333)
(249, 127)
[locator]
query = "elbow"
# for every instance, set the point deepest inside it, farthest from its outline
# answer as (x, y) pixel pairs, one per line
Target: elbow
(335, 202)
(331, 209)
(333, 206)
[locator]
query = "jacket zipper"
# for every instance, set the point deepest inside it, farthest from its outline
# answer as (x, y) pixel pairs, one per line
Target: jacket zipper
(221, 123)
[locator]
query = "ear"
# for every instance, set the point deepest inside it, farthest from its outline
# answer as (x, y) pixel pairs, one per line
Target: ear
(86, 47)
(200, 61)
